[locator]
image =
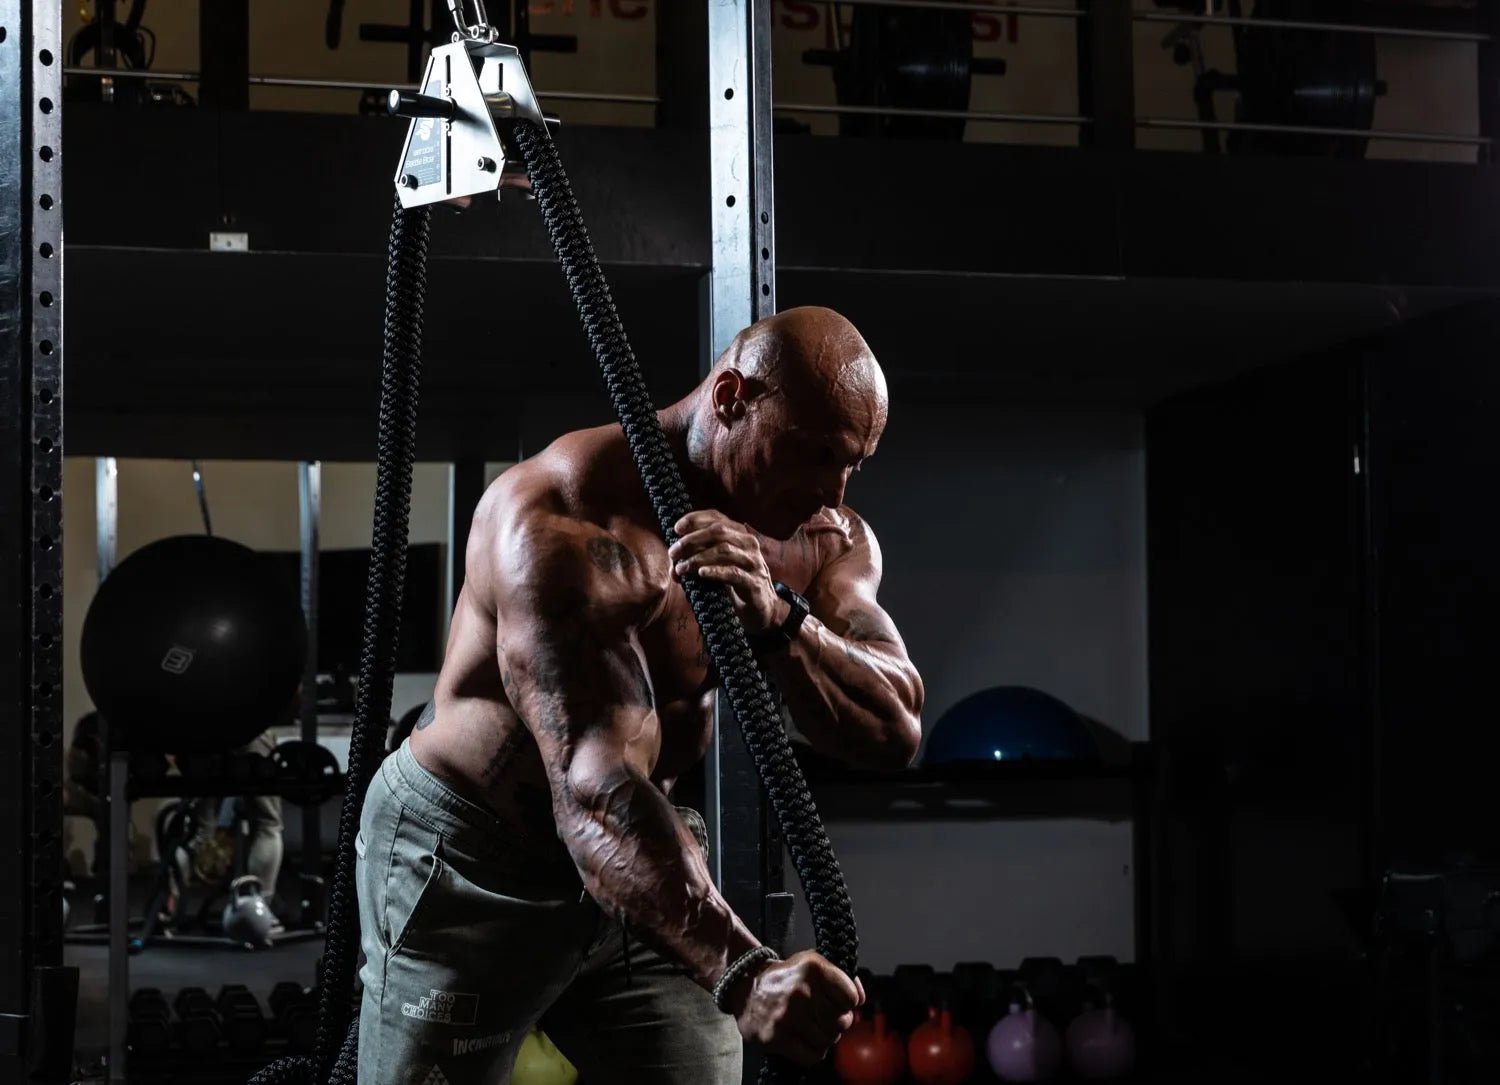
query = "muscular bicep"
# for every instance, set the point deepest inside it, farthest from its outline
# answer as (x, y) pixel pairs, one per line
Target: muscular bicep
(571, 661)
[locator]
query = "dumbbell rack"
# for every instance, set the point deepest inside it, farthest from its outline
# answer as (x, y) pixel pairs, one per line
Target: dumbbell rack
(120, 791)
(199, 1039)
(1116, 790)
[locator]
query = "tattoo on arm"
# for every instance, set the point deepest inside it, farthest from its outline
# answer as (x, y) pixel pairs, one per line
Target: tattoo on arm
(425, 719)
(863, 626)
(854, 654)
(610, 555)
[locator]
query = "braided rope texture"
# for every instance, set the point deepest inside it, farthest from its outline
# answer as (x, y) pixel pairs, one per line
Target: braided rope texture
(400, 379)
(749, 694)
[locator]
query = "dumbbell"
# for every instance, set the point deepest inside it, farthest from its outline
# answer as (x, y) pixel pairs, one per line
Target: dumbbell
(910, 994)
(1101, 974)
(198, 1027)
(147, 1029)
(296, 1011)
(244, 1023)
(1053, 985)
(974, 1005)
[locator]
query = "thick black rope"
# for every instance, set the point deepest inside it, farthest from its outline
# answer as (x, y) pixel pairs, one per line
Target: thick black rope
(749, 696)
(334, 1057)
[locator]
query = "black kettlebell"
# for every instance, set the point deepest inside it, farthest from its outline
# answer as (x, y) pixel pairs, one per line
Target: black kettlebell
(247, 920)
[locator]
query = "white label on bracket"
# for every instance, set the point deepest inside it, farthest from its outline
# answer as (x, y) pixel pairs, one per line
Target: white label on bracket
(227, 242)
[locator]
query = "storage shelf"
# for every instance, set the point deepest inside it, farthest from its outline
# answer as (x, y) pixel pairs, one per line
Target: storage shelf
(1003, 790)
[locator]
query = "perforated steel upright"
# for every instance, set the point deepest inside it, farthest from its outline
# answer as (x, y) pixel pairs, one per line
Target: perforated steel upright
(31, 442)
(744, 850)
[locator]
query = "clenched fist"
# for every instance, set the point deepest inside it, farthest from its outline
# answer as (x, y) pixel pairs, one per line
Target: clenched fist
(797, 1008)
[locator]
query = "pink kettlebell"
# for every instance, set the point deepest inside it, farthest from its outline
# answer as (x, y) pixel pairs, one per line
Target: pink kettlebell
(1101, 1043)
(1023, 1045)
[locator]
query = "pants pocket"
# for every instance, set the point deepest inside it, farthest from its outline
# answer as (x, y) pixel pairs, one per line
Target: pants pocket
(413, 879)
(471, 971)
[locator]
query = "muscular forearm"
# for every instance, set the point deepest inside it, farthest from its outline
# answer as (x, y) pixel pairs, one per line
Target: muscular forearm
(858, 700)
(639, 860)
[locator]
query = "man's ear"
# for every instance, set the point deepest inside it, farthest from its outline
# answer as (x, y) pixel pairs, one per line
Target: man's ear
(728, 395)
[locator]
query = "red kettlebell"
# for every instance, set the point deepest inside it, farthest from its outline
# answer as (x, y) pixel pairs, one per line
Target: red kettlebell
(870, 1053)
(1101, 1043)
(939, 1051)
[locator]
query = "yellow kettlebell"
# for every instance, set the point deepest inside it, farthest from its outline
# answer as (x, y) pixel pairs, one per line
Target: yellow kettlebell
(541, 1063)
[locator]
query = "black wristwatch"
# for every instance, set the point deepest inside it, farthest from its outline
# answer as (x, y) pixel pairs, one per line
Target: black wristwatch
(780, 638)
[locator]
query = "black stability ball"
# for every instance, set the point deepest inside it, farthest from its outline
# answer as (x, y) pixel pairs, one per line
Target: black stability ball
(191, 646)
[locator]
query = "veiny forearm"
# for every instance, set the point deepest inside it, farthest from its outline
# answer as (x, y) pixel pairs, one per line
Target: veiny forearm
(638, 859)
(856, 699)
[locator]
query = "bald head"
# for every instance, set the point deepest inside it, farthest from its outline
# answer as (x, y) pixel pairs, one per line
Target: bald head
(812, 355)
(789, 412)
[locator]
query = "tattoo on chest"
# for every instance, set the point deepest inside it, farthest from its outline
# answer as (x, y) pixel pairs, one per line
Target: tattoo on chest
(609, 555)
(425, 719)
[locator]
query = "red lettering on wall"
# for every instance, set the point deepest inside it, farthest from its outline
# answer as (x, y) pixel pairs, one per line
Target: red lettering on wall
(996, 27)
(795, 15)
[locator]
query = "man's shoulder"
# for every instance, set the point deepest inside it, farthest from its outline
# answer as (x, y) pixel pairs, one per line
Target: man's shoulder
(548, 538)
(837, 533)
(577, 476)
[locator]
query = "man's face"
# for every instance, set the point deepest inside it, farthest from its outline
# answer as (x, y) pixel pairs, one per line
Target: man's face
(795, 458)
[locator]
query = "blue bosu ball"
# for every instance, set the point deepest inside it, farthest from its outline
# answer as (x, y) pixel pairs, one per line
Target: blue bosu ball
(1009, 723)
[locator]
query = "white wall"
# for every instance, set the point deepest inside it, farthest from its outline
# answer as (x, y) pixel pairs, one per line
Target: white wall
(1433, 85)
(1014, 549)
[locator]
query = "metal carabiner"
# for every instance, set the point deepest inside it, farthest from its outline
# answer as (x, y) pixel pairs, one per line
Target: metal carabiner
(480, 30)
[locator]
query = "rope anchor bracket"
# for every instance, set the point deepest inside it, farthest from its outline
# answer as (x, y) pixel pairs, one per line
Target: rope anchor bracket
(473, 90)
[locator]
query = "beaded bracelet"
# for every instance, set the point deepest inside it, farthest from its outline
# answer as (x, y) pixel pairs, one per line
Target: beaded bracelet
(738, 969)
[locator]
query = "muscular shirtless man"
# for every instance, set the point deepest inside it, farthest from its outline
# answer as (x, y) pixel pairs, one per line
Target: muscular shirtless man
(520, 860)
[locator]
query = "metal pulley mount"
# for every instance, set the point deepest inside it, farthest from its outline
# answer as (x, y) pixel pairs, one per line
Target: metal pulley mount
(471, 91)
